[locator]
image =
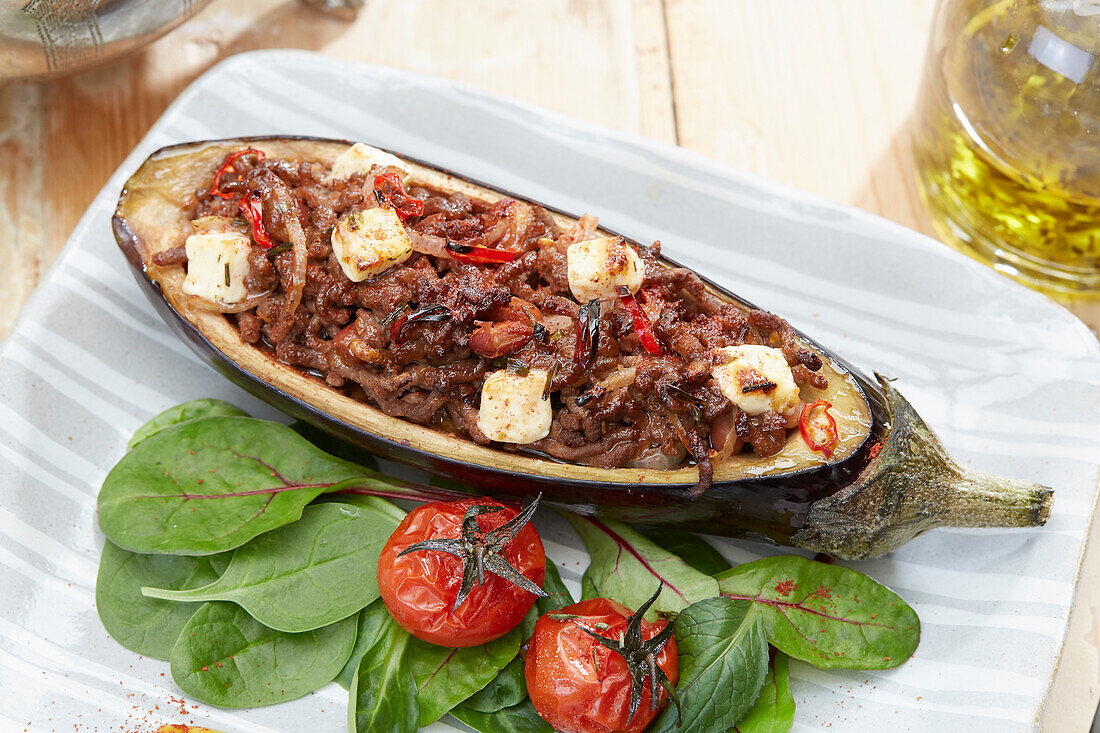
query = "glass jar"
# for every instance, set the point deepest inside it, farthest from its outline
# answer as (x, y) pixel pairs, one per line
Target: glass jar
(42, 39)
(1007, 138)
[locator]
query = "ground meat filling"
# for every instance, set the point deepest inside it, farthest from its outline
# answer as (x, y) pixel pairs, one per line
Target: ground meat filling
(626, 407)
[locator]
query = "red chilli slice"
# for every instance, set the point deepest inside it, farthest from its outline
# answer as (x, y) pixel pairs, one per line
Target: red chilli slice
(227, 167)
(818, 427)
(389, 187)
(252, 209)
(642, 326)
(472, 255)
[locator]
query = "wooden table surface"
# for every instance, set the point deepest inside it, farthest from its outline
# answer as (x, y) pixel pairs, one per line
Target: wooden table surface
(811, 93)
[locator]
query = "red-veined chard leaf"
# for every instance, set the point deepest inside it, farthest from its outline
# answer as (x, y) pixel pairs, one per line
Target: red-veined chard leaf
(774, 709)
(212, 484)
(723, 656)
(306, 574)
(334, 446)
(689, 547)
(827, 615)
(627, 567)
(382, 695)
(365, 501)
(147, 626)
(520, 718)
(185, 412)
(225, 657)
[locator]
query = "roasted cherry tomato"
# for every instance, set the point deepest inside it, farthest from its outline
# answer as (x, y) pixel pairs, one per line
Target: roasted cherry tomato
(423, 587)
(580, 685)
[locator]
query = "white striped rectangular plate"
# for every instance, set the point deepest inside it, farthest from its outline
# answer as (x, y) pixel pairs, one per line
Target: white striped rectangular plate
(1010, 380)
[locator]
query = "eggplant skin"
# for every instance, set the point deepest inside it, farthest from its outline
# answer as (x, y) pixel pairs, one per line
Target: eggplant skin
(912, 485)
(898, 483)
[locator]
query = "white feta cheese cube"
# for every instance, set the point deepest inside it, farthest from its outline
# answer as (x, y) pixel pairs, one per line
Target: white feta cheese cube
(513, 408)
(757, 379)
(217, 264)
(369, 242)
(359, 158)
(597, 267)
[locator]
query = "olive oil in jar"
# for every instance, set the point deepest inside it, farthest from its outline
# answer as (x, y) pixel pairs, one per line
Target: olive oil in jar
(1007, 138)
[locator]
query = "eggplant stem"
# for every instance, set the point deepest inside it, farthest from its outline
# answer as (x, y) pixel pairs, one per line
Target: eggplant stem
(912, 485)
(976, 499)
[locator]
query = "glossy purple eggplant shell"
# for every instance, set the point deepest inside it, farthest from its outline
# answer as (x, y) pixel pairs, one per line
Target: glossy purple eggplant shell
(894, 484)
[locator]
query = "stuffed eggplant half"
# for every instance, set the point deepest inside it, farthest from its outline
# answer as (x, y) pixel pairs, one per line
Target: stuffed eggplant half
(514, 349)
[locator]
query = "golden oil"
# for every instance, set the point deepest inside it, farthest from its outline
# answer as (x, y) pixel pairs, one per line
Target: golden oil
(1007, 138)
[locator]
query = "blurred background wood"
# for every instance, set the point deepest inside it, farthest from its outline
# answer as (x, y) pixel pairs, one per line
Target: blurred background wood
(815, 94)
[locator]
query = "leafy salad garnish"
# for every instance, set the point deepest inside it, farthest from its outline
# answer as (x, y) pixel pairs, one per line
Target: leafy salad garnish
(245, 555)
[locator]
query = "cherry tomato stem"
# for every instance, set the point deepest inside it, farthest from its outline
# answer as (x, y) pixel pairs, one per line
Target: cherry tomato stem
(421, 587)
(579, 679)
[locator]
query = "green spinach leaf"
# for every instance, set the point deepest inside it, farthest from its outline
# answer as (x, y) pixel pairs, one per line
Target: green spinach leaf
(446, 677)
(723, 662)
(304, 575)
(373, 621)
(827, 615)
(774, 709)
(185, 412)
(627, 567)
(520, 718)
(689, 547)
(219, 562)
(507, 689)
(588, 588)
(225, 657)
(382, 696)
(334, 446)
(559, 598)
(146, 625)
(370, 503)
(210, 485)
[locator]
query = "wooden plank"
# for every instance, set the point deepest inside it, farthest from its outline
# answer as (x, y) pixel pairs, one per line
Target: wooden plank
(585, 67)
(22, 206)
(1076, 688)
(818, 102)
(658, 114)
